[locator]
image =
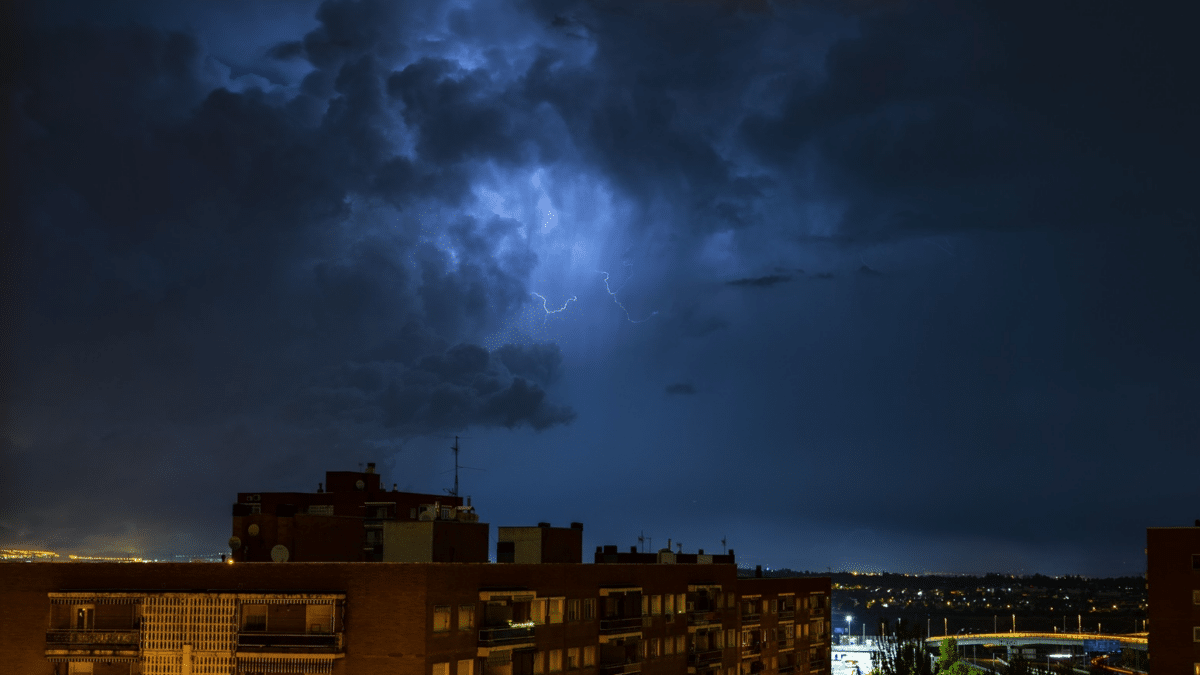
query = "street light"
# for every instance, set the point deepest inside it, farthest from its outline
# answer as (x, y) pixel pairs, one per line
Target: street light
(849, 618)
(1014, 623)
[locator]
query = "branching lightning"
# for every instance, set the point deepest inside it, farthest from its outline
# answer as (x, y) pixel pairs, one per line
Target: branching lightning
(552, 311)
(618, 302)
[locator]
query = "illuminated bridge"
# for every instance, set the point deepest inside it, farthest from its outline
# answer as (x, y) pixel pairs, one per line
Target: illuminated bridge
(1086, 642)
(1132, 645)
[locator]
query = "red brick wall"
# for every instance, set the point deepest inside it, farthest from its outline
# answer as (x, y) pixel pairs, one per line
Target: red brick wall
(1172, 614)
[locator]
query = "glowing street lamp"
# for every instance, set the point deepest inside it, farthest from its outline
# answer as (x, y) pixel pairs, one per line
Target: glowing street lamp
(849, 618)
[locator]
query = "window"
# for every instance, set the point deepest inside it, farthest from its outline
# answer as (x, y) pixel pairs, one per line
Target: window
(441, 619)
(729, 641)
(466, 618)
(555, 607)
(656, 604)
(412, 514)
(254, 617)
(555, 660)
(539, 663)
(572, 658)
(466, 666)
(320, 510)
(679, 643)
(669, 645)
(572, 610)
(589, 655)
(85, 617)
(441, 668)
(589, 608)
(774, 606)
(1196, 634)
(669, 605)
(1196, 597)
(79, 667)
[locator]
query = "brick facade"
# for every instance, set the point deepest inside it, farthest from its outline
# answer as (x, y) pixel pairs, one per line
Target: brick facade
(1173, 584)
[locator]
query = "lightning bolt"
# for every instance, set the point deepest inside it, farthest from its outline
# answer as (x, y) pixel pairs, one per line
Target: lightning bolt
(552, 311)
(618, 302)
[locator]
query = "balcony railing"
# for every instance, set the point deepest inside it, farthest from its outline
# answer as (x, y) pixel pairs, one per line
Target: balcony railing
(752, 649)
(125, 638)
(621, 625)
(705, 657)
(701, 618)
(499, 635)
(620, 668)
(751, 617)
(309, 643)
(787, 614)
(787, 643)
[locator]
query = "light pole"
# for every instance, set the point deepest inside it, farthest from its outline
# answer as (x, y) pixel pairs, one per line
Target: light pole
(1014, 623)
(945, 626)
(849, 618)
(995, 629)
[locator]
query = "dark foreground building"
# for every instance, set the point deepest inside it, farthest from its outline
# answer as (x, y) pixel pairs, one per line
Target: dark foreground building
(1173, 584)
(409, 619)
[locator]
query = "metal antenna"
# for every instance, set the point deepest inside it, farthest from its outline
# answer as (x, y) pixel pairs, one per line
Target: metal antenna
(455, 449)
(723, 548)
(642, 541)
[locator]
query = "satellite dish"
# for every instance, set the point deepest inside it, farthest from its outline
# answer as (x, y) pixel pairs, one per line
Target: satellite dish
(279, 553)
(359, 484)
(235, 543)
(253, 530)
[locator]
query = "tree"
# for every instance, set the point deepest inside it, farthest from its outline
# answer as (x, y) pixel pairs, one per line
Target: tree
(902, 650)
(948, 656)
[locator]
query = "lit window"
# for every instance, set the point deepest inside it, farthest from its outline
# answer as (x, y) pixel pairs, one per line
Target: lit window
(1196, 597)
(466, 667)
(679, 643)
(669, 605)
(589, 608)
(555, 660)
(466, 618)
(85, 616)
(441, 619)
(80, 667)
(1196, 634)
(656, 604)
(441, 668)
(589, 656)
(539, 663)
(572, 658)
(572, 610)
(668, 646)
(555, 607)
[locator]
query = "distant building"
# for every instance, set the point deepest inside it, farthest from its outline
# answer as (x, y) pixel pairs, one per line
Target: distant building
(351, 518)
(541, 544)
(409, 619)
(1173, 615)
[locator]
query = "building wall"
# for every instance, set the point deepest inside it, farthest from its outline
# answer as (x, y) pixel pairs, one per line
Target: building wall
(1173, 578)
(390, 608)
(435, 541)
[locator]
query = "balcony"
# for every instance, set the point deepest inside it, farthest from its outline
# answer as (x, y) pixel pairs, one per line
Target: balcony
(752, 649)
(703, 618)
(612, 626)
(786, 644)
(751, 618)
(705, 657)
(492, 636)
(785, 614)
(90, 642)
(620, 668)
(290, 643)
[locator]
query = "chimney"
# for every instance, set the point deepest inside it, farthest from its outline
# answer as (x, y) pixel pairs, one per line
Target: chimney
(633, 549)
(758, 571)
(320, 487)
(543, 524)
(574, 526)
(701, 552)
(370, 467)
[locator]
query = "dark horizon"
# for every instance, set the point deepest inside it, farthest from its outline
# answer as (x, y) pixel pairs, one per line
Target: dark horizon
(850, 285)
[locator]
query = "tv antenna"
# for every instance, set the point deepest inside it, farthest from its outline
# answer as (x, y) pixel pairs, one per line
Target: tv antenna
(457, 466)
(723, 548)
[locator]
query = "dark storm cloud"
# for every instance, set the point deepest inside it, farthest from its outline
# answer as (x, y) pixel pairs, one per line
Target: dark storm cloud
(760, 282)
(220, 281)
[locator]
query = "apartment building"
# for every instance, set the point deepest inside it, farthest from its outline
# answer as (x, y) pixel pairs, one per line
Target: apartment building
(351, 517)
(410, 619)
(1173, 598)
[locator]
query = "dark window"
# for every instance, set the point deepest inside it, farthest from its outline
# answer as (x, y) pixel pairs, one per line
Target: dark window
(506, 551)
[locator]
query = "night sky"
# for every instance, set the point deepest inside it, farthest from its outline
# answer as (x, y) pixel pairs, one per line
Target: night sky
(904, 286)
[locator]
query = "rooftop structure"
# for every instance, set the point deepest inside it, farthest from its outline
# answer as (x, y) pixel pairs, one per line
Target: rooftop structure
(1173, 616)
